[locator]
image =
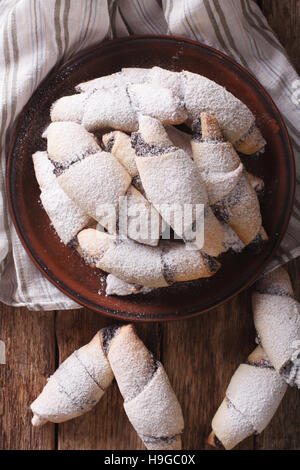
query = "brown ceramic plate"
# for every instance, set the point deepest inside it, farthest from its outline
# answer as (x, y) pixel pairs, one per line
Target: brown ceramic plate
(62, 266)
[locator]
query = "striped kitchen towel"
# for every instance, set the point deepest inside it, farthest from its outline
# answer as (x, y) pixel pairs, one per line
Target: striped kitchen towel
(37, 34)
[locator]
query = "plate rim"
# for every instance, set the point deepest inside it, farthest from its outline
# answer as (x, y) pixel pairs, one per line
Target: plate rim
(117, 314)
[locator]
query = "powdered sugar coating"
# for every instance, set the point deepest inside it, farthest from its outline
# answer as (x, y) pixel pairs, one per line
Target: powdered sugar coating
(231, 240)
(131, 362)
(110, 108)
(204, 95)
(76, 386)
(144, 265)
(115, 286)
(256, 392)
(157, 102)
(220, 167)
(117, 107)
(69, 141)
(94, 244)
(143, 222)
(125, 77)
(149, 400)
(174, 166)
(122, 150)
(183, 264)
(180, 139)
(198, 93)
(155, 411)
(168, 79)
(135, 263)
(173, 184)
(65, 216)
(227, 185)
(43, 169)
(252, 398)
(94, 181)
(277, 322)
(230, 426)
(69, 108)
(277, 280)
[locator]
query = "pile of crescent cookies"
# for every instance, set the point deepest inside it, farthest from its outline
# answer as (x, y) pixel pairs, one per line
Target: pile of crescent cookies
(116, 140)
(113, 149)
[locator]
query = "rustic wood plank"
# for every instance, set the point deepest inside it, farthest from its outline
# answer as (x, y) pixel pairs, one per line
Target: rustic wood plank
(284, 19)
(30, 359)
(107, 426)
(199, 355)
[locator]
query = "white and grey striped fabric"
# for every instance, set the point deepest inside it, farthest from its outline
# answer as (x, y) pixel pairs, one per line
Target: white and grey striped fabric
(37, 34)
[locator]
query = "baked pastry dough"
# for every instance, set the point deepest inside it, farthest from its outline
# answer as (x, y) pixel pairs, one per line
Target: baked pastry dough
(94, 182)
(199, 94)
(119, 144)
(115, 286)
(81, 380)
(119, 107)
(144, 184)
(230, 194)
(66, 217)
(99, 184)
(145, 265)
(128, 76)
(149, 400)
(180, 139)
(256, 182)
(277, 322)
(252, 398)
(76, 386)
(171, 180)
(68, 142)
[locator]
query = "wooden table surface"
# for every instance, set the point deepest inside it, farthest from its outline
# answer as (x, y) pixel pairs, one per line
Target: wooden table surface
(199, 355)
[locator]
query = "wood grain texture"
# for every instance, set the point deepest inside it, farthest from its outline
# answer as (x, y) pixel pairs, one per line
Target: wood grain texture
(30, 359)
(199, 355)
(284, 19)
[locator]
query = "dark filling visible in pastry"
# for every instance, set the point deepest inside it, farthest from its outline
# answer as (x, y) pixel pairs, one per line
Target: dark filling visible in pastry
(107, 336)
(274, 290)
(87, 371)
(211, 262)
(286, 370)
(257, 243)
(220, 209)
(192, 236)
(218, 443)
(167, 271)
(90, 260)
(197, 133)
(108, 147)
(262, 364)
(245, 136)
(257, 339)
(137, 183)
(73, 243)
(142, 149)
(197, 129)
(60, 167)
(155, 440)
